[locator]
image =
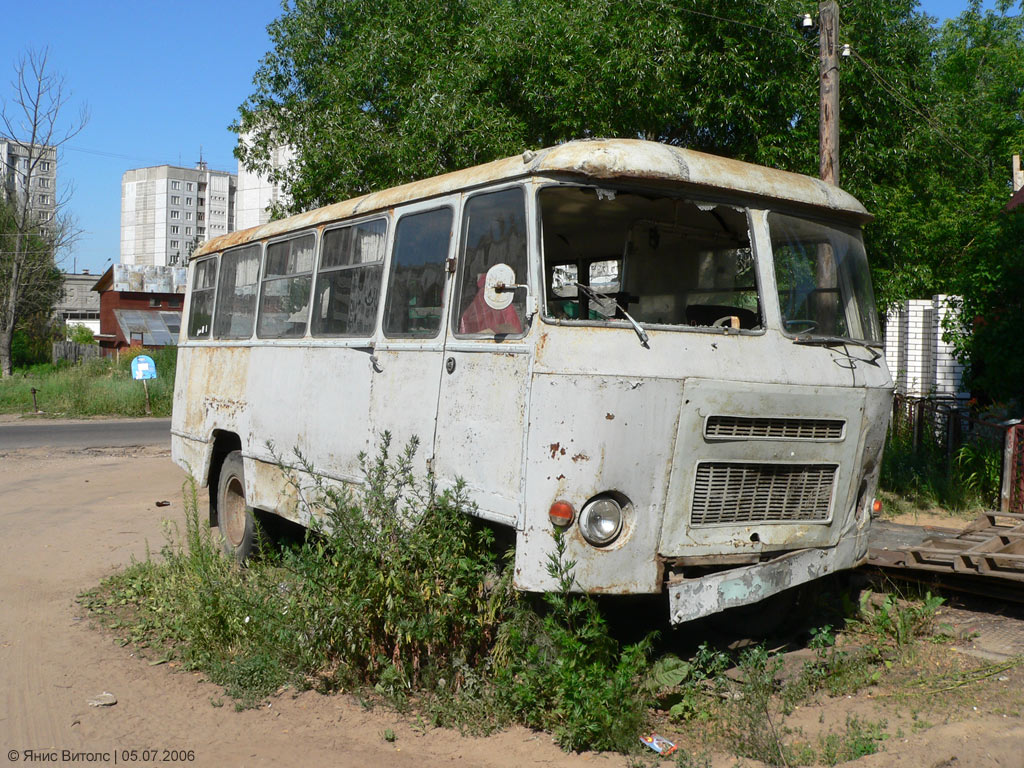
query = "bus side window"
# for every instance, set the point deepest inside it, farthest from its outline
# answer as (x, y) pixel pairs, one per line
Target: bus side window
(493, 232)
(416, 284)
(204, 283)
(236, 300)
(284, 301)
(348, 283)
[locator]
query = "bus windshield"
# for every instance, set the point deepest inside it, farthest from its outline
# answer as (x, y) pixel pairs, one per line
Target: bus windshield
(823, 280)
(661, 260)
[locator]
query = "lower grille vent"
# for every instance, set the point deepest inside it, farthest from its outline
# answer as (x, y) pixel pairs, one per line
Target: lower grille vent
(736, 493)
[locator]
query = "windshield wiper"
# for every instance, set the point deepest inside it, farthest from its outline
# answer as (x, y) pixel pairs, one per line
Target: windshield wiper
(595, 296)
(831, 341)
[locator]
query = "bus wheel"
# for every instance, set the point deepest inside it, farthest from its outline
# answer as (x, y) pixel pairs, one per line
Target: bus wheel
(234, 516)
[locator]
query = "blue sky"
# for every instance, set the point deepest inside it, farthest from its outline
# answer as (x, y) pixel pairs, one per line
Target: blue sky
(160, 80)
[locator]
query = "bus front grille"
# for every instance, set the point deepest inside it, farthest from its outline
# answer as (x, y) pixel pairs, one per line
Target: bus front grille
(773, 428)
(727, 493)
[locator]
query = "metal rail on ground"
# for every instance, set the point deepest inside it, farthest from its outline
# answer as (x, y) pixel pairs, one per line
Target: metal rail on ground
(992, 547)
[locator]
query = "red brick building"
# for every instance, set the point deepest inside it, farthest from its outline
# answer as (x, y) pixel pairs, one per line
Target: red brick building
(139, 306)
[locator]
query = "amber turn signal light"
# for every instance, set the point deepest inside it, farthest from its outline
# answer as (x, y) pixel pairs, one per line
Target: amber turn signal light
(561, 513)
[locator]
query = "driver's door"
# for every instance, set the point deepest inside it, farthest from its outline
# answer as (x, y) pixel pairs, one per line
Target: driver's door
(485, 381)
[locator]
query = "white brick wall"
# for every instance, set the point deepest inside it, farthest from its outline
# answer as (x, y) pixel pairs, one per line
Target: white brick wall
(922, 364)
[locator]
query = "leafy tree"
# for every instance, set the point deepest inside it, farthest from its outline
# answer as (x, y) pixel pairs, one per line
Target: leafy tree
(31, 234)
(371, 94)
(81, 334)
(940, 224)
(33, 341)
(30, 286)
(980, 249)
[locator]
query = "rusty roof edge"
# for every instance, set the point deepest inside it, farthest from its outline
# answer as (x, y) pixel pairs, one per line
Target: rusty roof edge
(594, 158)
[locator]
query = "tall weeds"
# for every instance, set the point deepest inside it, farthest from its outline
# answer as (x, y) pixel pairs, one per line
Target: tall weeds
(925, 476)
(396, 591)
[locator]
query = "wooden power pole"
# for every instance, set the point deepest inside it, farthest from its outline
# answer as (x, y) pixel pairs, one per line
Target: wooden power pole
(828, 125)
(826, 298)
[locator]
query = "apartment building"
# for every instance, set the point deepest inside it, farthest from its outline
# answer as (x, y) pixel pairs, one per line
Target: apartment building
(166, 211)
(257, 194)
(30, 171)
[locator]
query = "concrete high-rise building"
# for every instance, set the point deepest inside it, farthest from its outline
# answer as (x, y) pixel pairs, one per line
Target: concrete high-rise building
(166, 211)
(38, 184)
(256, 193)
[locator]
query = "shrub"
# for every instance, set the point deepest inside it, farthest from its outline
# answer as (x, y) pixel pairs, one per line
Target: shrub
(396, 581)
(570, 676)
(81, 334)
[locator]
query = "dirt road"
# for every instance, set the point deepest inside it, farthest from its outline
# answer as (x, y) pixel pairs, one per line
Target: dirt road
(70, 517)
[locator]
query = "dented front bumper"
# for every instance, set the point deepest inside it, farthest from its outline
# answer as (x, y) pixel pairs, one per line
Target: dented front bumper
(691, 599)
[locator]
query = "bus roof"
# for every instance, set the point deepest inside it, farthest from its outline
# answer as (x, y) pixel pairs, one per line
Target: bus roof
(595, 159)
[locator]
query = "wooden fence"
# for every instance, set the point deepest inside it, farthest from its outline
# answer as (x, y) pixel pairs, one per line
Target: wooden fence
(74, 352)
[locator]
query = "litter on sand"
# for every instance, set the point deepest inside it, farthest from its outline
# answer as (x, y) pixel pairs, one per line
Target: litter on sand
(659, 744)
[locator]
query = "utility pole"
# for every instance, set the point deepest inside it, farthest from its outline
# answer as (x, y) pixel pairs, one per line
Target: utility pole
(826, 299)
(828, 124)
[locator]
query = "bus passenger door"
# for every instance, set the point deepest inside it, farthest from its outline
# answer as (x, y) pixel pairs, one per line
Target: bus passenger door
(408, 358)
(481, 418)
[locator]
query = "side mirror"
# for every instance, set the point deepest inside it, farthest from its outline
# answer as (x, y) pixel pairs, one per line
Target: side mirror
(500, 286)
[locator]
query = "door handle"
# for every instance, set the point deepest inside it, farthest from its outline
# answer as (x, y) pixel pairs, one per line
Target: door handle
(373, 358)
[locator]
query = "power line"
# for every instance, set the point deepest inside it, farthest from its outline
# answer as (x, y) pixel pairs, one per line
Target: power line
(895, 93)
(889, 88)
(768, 31)
(134, 158)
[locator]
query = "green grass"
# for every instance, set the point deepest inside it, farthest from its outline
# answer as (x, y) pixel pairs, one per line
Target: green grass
(102, 387)
(860, 738)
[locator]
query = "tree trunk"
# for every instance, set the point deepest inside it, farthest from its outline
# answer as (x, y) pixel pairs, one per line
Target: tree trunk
(6, 366)
(10, 312)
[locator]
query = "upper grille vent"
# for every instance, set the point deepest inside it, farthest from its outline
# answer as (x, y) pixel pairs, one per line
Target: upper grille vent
(773, 428)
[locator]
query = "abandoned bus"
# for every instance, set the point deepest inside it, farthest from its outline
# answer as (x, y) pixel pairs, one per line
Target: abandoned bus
(673, 356)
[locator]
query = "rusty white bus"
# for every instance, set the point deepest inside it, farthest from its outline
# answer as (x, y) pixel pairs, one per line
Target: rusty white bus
(674, 357)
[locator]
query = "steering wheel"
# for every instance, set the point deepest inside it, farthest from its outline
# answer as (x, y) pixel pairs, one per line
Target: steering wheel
(807, 325)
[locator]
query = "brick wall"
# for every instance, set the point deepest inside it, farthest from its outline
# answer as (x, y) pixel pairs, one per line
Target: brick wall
(922, 364)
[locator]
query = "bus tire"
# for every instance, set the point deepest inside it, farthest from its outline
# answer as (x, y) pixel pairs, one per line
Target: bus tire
(234, 515)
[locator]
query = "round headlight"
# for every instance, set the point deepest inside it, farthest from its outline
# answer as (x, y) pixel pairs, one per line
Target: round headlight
(601, 521)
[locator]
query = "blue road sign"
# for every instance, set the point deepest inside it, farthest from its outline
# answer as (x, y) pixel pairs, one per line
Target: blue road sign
(143, 367)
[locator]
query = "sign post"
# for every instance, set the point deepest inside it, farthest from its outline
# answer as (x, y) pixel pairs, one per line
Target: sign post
(144, 368)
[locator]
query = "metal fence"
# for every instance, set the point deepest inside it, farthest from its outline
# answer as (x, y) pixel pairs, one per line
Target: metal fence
(941, 427)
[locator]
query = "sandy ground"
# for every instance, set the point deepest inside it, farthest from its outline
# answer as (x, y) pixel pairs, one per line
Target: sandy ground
(68, 518)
